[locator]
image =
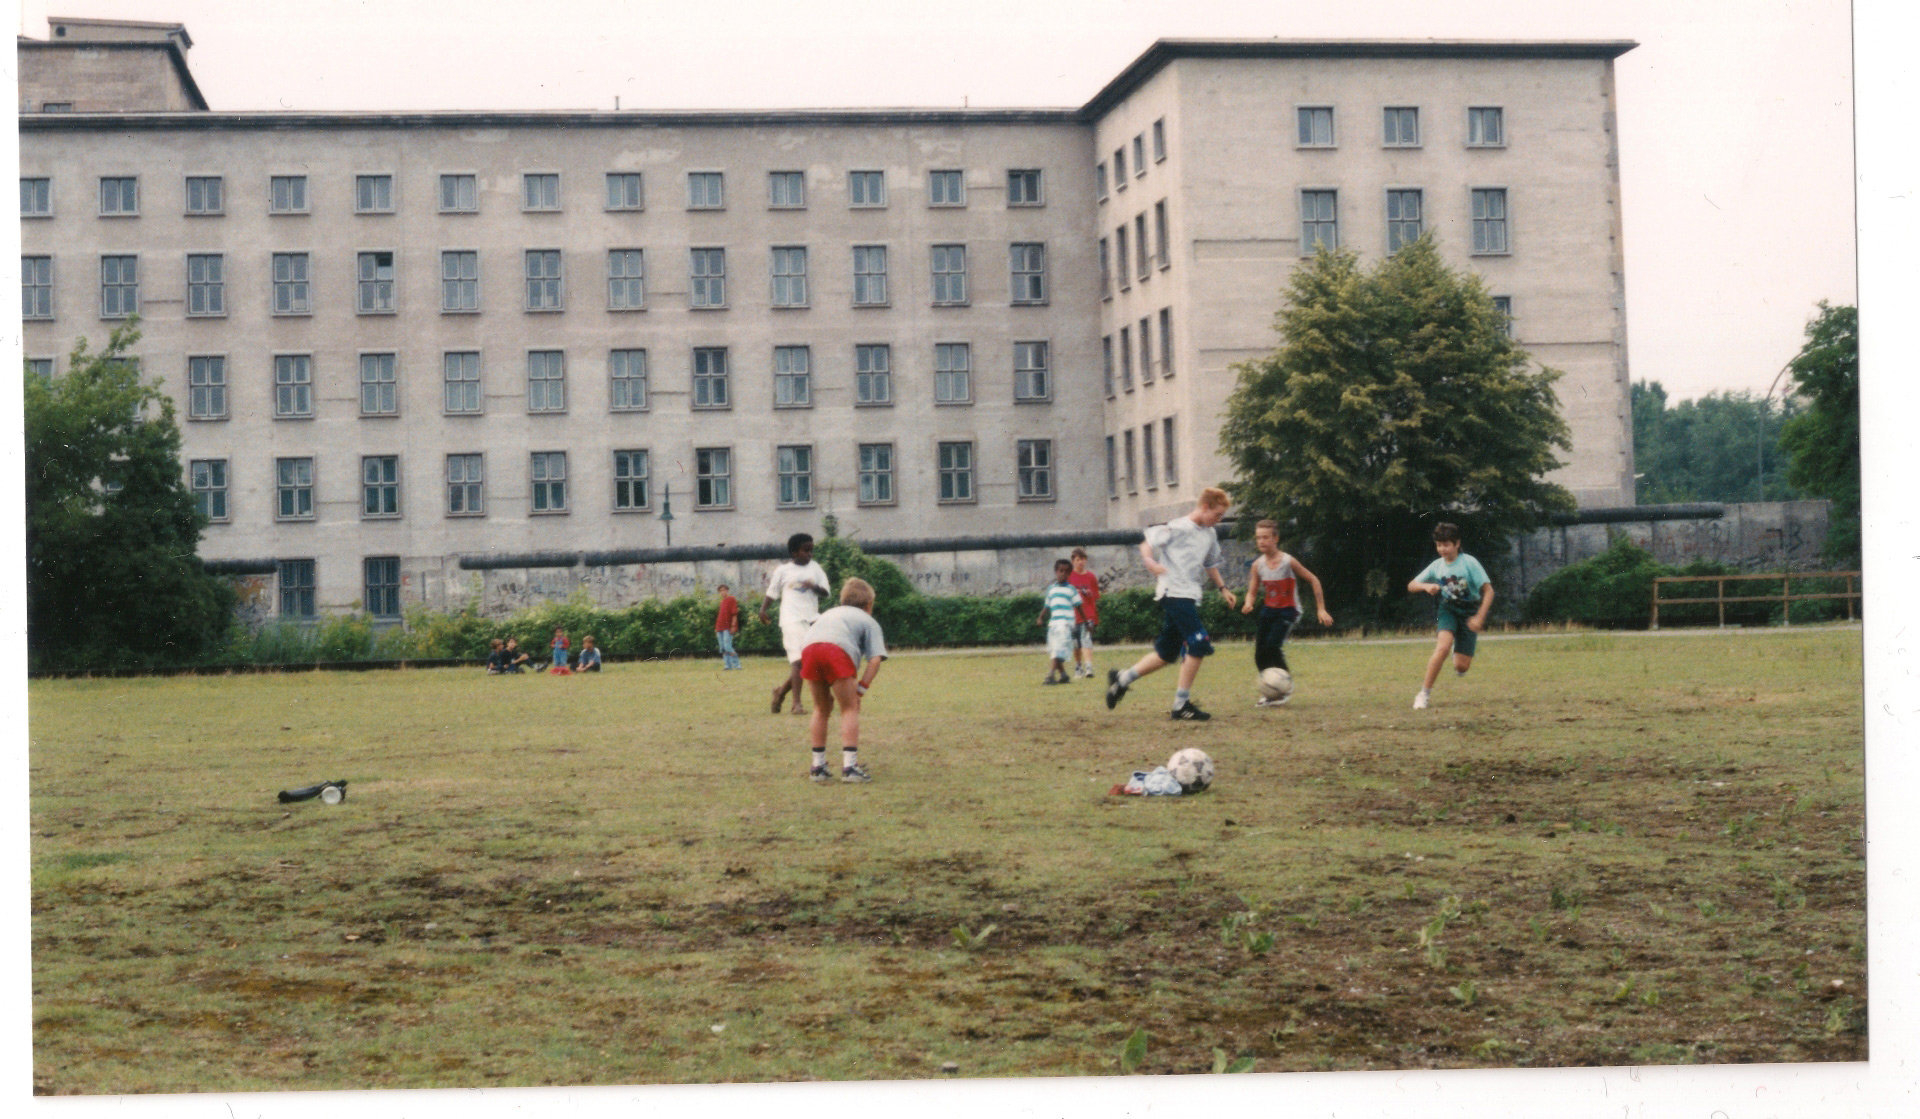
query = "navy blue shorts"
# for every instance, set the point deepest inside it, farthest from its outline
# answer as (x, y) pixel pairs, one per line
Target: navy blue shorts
(1180, 630)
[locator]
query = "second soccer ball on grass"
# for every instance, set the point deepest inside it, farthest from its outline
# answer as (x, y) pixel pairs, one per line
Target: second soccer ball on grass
(1192, 768)
(1275, 683)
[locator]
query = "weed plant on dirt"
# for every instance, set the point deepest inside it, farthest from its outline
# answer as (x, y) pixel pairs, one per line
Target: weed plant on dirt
(1593, 850)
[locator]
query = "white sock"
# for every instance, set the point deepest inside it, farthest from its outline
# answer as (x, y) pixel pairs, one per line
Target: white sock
(820, 758)
(849, 758)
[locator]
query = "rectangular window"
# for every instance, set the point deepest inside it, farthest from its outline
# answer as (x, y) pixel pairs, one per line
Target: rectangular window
(1486, 127)
(708, 279)
(206, 284)
(466, 485)
(876, 473)
(1146, 457)
(946, 188)
(950, 274)
(36, 287)
(1030, 379)
(208, 479)
(548, 472)
(293, 489)
(119, 197)
(459, 194)
(1120, 258)
(712, 478)
(1315, 126)
(119, 286)
(1166, 341)
(1490, 221)
(1113, 470)
(792, 377)
(1028, 263)
(36, 198)
(296, 589)
(1119, 168)
(626, 280)
(952, 373)
(379, 385)
(1139, 155)
(787, 190)
(956, 471)
(626, 191)
(1170, 472)
(632, 480)
(374, 295)
(1400, 127)
(1100, 181)
(869, 275)
(292, 291)
(706, 190)
(546, 381)
(710, 378)
(373, 194)
(1125, 346)
(292, 386)
(1106, 359)
(1319, 221)
(460, 382)
(1142, 259)
(206, 194)
(287, 194)
(1023, 187)
(794, 466)
(627, 373)
(1503, 305)
(866, 188)
(1033, 460)
(1161, 239)
(1106, 271)
(872, 375)
(383, 586)
(790, 277)
(459, 281)
(1403, 218)
(544, 291)
(380, 486)
(1146, 351)
(1160, 139)
(1127, 461)
(540, 191)
(206, 388)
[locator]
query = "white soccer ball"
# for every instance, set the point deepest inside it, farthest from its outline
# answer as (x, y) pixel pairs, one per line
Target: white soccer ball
(1192, 768)
(1276, 683)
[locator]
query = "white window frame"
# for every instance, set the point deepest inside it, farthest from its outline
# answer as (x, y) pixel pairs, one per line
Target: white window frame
(1312, 221)
(1398, 223)
(866, 190)
(1393, 121)
(207, 387)
(213, 207)
(706, 190)
(1477, 118)
(792, 377)
(712, 478)
(379, 487)
(628, 380)
(947, 188)
(465, 192)
(793, 475)
(626, 279)
(208, 479)
(1033, 469)
(788, 264)
(374, 294)
(296, 287)
(206, 285)
(119, 285)
(36, 196)
(383, 592)
(626, 191)
(1140, 155)
(122, 198)
(1147, 464)
(874, 468)
(301, 594)
(36, 286)
(1160, 140)
(293, 485)
(872, 375)
(466, 482)
(949, 281)
(288, 194)
(712, 378)
(632, 479)
(954, 466)
(293, 386)
(952, 373)
(368, 191)
(1169, 463)
(1027, 265)
(1026, 186)
(1032, 376)
(459, 281)
(540, 192)
(546, 290)
(380, 392)
(786, 190)
(546, 381)
(707, 278)
(1486, 224)
(869, 282)
(462, 383)
(1308, 133)
(547, 483)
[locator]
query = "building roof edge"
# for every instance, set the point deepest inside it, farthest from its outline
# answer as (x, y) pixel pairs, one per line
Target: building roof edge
(570, 118)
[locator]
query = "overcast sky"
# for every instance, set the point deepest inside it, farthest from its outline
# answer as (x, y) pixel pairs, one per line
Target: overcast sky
(1735, 115)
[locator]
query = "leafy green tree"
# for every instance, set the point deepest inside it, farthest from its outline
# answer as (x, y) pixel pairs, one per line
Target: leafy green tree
(1824, 441)
(1396, 399)
(1721, 447)
(112, 578)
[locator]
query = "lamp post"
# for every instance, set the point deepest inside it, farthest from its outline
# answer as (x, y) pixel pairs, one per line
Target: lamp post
(666, 511)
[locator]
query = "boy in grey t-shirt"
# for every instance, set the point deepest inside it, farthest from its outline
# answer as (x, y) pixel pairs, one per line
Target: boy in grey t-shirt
(1180, 553)
(837, 642)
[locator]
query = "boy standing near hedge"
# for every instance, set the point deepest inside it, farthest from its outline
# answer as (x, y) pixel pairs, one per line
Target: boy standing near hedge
(726, 627)
(799, 585)
(1059, 611)
(1462, 595)
(1179, 553)
(1088, 584)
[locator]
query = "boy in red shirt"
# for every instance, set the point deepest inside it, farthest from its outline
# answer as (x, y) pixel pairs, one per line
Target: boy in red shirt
(726, 624)
(1088, 584)
(1270, 585)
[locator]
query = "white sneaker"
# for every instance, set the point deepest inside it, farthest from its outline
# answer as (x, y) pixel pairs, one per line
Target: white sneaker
(1263, 701)
(1420, 700)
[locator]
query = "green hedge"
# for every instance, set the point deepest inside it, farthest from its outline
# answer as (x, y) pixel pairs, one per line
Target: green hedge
(1615, 590)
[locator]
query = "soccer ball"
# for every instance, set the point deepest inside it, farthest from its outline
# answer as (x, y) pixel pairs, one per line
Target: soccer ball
(1276, 683)
(1192, 768)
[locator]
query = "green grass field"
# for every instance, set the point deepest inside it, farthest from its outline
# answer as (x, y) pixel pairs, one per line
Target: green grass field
(1597, 849)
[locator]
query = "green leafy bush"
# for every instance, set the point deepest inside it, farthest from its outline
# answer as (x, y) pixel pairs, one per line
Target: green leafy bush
(1615, 590)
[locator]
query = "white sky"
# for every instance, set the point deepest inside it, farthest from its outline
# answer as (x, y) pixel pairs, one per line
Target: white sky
(1735, 115)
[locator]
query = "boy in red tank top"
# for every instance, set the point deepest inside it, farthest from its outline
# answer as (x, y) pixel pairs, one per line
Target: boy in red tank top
(1270, 583)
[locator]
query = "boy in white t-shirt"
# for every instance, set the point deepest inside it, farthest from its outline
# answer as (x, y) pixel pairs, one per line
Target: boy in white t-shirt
(799, 585)
(1463, 595)
(1180, 554)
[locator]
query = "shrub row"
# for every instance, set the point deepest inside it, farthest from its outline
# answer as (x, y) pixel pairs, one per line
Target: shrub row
(1615, 590)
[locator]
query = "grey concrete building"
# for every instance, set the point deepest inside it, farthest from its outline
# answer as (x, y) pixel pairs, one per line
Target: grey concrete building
(397, 339)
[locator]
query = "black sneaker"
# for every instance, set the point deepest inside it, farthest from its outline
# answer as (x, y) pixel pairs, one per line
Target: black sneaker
(854, 774)
(1190, 712)
(1115, 689)
(819, 774)
(1051, 679)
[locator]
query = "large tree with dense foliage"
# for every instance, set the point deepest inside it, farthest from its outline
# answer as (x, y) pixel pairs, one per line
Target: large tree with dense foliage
(1397, 399)
(1824, 440)
(112, 578)
(1725, 446)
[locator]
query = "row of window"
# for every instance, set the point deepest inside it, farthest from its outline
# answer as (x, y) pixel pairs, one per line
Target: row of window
(1144, 258)
(1161, 469)
(550, 484)
(629, 380)
(1406, 219)
(540, 192)
(1159, 131)
(380, 577)
(1117, 353)
(544, 280)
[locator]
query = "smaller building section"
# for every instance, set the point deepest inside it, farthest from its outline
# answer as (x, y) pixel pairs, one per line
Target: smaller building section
(108, 66)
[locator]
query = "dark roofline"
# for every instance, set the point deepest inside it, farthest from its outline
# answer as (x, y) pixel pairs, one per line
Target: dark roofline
(171, 46)
(1167, 50)
(563, 118)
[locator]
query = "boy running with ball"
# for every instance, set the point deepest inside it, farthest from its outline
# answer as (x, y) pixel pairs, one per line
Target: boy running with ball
(1272, 576)
(1462, 598)
(1179, 553)
(836, 643)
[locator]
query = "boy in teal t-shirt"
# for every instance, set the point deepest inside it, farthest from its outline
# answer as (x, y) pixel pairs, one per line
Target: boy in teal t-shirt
(1463, 596)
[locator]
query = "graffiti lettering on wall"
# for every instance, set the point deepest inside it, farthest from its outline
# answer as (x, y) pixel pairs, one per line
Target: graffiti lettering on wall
(253, 599)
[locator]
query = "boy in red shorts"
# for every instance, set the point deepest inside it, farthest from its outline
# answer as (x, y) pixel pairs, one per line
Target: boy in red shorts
(837, 642)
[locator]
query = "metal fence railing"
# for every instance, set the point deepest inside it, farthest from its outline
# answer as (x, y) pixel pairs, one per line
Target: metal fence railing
(1786, 598)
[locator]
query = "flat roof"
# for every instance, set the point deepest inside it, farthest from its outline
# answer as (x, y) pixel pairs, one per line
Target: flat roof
(554, 118)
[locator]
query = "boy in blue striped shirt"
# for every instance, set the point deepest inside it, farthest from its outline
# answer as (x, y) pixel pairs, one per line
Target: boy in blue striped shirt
(1059, 612)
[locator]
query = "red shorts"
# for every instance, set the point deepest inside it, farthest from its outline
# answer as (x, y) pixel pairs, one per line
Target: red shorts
(826, 662)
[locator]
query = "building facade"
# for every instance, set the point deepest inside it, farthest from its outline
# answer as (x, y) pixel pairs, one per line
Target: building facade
(400, 339)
